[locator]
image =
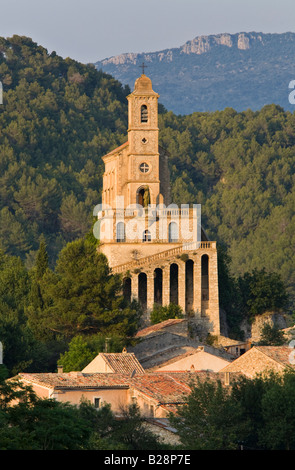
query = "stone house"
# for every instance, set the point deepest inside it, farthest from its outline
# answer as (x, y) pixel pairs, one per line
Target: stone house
(260, 359)
(121, 363)
(200, 358)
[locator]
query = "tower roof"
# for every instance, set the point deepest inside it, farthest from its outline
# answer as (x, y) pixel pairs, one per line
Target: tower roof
(143, 85)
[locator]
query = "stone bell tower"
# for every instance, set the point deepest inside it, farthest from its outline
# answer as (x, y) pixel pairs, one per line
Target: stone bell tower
(143, 138)
(142, 234)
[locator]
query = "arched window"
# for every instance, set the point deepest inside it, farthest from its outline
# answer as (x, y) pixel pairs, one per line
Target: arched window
(158, 286)
(174, 284)
(144, 113)
(120, 232)
(146, 237)
(173, 232)
(142, 290)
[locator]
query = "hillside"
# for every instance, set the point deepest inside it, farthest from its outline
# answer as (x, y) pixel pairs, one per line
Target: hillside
(208, 73)
(60, 117)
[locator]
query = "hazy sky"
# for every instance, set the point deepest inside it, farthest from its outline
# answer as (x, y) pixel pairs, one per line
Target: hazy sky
(91, 30)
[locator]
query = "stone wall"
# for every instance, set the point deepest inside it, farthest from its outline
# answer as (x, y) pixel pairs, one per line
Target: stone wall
(254, 329)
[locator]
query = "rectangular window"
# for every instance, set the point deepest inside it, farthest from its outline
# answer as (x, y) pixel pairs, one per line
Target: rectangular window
(96, 402)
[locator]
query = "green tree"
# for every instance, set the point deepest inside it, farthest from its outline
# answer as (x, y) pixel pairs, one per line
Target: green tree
(261, 292)
(278, 411)
(210, 420)
(31, 423)
(77, 356)
(272, 336)
(41, 259)
(82, 297)
(161, 313)
(82, 349)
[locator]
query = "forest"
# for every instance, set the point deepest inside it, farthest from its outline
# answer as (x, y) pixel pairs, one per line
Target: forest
(58, 118)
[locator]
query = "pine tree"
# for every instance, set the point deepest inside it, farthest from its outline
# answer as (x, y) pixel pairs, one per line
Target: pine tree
(41, 259)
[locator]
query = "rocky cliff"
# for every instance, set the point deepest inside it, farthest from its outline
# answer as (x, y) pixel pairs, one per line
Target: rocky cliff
(208, 73)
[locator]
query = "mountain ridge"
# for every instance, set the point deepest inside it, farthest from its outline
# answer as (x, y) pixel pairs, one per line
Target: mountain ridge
(233, 70)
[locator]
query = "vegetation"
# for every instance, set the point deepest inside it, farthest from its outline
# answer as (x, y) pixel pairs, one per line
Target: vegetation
(240, 167)
(272, 336)
(161, 313)
(57, 119)
(257, 414)
(59, 302)
(43, 310)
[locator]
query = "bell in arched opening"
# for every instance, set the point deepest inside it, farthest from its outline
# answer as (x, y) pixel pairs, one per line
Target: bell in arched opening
(144, 113)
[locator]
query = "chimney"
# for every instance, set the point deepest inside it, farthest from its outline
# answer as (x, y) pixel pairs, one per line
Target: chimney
(60, 369)
(106, 346)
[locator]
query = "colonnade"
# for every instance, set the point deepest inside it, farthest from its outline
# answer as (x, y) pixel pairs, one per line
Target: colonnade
(185, 283)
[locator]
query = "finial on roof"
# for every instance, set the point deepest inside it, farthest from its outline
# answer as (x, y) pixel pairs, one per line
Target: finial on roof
(124, 351)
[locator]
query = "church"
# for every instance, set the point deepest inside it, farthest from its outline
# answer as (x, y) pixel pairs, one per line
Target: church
(161, 250)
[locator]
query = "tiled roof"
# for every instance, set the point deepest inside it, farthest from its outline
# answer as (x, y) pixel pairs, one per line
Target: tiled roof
(162, 387)
(123, 363)
(76, 380)
(159, 326)
(167, 389)
(279, 354)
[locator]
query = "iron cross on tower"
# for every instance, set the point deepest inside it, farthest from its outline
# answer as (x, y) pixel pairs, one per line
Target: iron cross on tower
(143, 66)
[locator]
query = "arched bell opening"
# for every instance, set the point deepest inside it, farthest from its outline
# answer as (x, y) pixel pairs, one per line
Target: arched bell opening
(144, 116)
(143, 197)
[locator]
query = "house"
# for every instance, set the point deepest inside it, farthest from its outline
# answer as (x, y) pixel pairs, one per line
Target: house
(200, 358)
(156, 393)
(122, 363)
(237, 349)
(260, 359)
(169, 346)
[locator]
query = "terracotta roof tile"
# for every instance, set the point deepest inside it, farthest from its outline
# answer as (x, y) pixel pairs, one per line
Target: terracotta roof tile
(279, 354)
(123, 363)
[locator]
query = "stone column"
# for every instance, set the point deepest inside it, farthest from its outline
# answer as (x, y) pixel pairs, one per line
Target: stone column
(166, 285)
(181, 285)
(197, 285)
(150, 290)
(213, 292)
(134, 287)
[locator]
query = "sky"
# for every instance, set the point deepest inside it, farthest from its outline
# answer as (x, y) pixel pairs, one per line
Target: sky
(92, 30)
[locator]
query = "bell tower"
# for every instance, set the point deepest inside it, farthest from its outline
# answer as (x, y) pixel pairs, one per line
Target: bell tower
(158, 250)
(143, 139)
